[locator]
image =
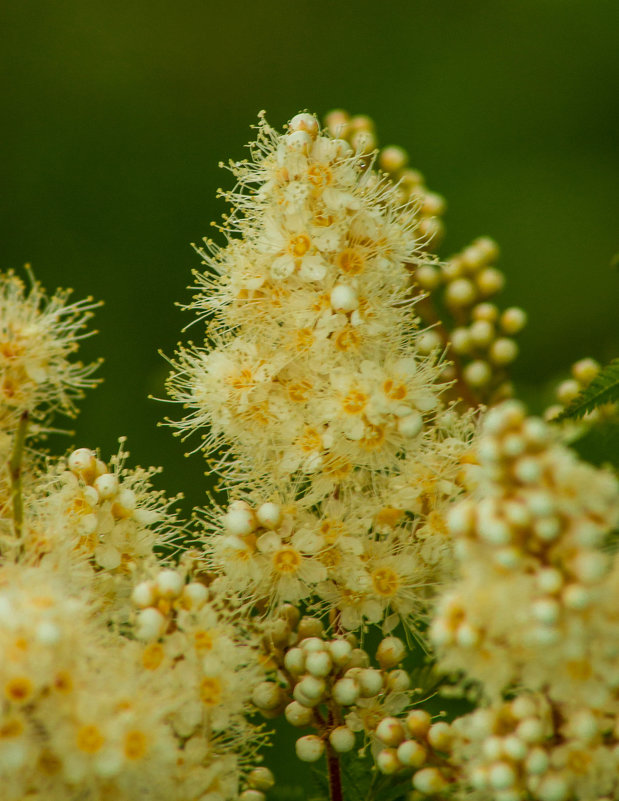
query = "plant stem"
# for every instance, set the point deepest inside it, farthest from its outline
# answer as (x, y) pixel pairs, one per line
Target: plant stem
(335, 776)
(15, 472)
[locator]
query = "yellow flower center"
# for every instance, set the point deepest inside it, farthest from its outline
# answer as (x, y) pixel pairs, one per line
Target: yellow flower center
(299, 245)
(351, 261)
(210, 691)
(310, 440)
(286, 560)
(355, 402)
(394, 390)
(346, 339)
(135, 744)
(89, 739)
(386, 581)
(152, 656)
(203, 640)
(299, 391)
(19, 690)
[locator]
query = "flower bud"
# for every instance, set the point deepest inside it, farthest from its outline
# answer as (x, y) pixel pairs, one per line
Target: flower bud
(390, 652)
(342, 739)
(309, 748)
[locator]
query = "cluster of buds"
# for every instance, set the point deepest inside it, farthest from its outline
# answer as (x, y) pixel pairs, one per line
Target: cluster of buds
(419, 744)
(259, 781)
(329, 684)
(359, 131)
(480, 340)
(107, 513)
(530, 748)
(160, 598)
(531, 530)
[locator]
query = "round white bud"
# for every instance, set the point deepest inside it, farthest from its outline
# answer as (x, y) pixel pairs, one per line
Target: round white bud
(312, 687)
(294, 661)
(318, 663)
(144, 594)
(195, 595)
(481, 333)
(261, 778)
(345, 692)
(537, 761)
(126, 500)
(47, 633)
(485, 311)
(514, 747)
(467, 636)
(106, 485)
(528, 470)
(461, 340)
(343, 298)
(299, 141)
(82, 460)
(266, 695)
(513, 320)
(239, 519)
(252, 794)
(150, 624)
(440, 735)
(429, 341)
(392, 158)
(460, 293)
(169, 583)
(490, 281)
(342, 739)
(568, 390)
(91, 496)
(269, 515)
(410, 424)
(411, 754)
(575, 596)
(553, 787)
(503, 351)
(418, 722)
(427, 276)
(340, 651)
(531, 730)
(585, 370)
(429, 781)
(387, 761)
(391, 651)
(501, 776)
(312, 644)
(546, 610)
(590, 566)
(309, 748)
(298, 714)
(492, 747)
(398, 681)
(304, 122)
(549, 579)
(477, 373)
(390, 731)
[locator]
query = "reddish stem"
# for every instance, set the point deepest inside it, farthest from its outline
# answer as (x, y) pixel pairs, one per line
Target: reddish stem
(335, 777)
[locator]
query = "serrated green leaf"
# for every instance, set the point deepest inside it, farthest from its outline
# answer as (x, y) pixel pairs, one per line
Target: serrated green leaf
(603, 389)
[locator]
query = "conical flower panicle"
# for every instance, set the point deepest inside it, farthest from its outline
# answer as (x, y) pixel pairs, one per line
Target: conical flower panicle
(311, 394)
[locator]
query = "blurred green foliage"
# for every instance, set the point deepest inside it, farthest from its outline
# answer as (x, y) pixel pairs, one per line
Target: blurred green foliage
(117, 113)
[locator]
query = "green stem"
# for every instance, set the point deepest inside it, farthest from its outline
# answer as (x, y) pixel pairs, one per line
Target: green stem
(15, 472)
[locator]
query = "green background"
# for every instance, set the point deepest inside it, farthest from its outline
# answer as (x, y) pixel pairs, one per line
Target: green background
(117, 113)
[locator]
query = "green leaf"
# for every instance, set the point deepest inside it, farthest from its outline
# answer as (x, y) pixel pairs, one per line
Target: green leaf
(603, 389)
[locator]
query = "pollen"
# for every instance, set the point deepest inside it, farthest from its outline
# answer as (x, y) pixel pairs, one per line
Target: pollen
(89, 739)
(385, 581)
(337, 467)
(11, 727)
(135, 744)
(299, 245)
(355, 402)
(286, 560)
(19, 690)
(210, 691)
(350, 261)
